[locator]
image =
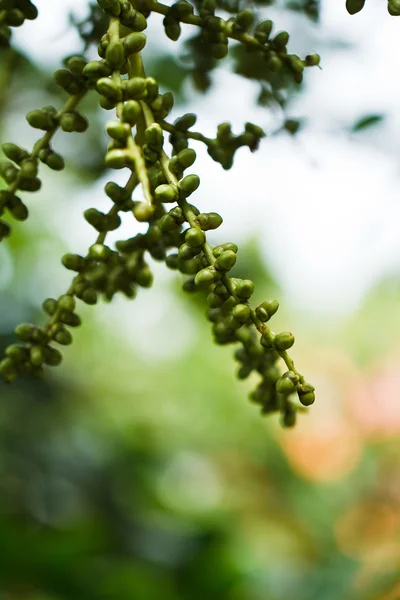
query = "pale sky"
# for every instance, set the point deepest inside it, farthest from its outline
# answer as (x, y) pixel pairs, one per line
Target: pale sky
(326, 205)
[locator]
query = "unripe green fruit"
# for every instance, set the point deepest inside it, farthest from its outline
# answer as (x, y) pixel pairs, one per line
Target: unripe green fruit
(115, 55)
(111, 6)
(244, 289)
(295, 63)
(172, 28)
(274, 63)
(76, 64)
(312, 60)
(154, 137)
(8, 369)
(182, 9)
(263, 31)
(18, 209)
(284, 341)
(281, 40)
(209, 220)
(107, 103)
(186, 158)
(14, 152)
(354, 6)
(17, 352)
(144, 277)
(50, 306)
(226, 261)
(52, 356)
(289, 418)
(40, 120)
(241, 313)
(63, 337)
(143, 212)
(117, 159)
(172, 261)
(189, 184)
(25, 332)
(118, 131)
(165, 193)
(230, 246)
(29, 168)
(73, 262)
(134, 88)
(67, 303)
(306, 394)
(187, 252)
(206, 277)
(134, 42)
(109, 89)
(186, 122)
(36, 356)
(99, 252)
(55, 161)
(214, 301)
(96, 69)
(266, 310)
(14, 17)
(219, 51)
(131, 112)
(285, 385)
(195, 237)
(89, 296)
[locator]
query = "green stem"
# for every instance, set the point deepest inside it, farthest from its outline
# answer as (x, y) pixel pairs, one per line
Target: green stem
(244, 38)
(193, 135)
(207, 250)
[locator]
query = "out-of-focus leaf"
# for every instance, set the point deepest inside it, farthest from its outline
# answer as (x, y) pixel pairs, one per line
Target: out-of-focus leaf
(368, 121)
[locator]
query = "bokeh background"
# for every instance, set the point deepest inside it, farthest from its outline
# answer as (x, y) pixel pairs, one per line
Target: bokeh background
(138, 470)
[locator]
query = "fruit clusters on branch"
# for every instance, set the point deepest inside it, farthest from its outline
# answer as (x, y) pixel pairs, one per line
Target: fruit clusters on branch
(355, 6)
(176, 229)
(13, 13)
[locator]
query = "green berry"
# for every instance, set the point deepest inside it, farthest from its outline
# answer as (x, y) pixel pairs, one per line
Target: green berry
(131, 112)
(189, 184)
(165, 193)
(226, 261)
(241, 313)
(25, 332)
(284, 341)
(195, 237)
(306, 394)
(143, 212)
(73, 262)
(108, 88)
(281, 40)
(354, 6)
(206, 277)
(266, 310)
(40, 120)
(50, 306)
(287, 383)
(244, 288)
(134, 42)
(117, 159)
(115, 55)
(67, 303)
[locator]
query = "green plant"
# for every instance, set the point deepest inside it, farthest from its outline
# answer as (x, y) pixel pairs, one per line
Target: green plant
(177, 229)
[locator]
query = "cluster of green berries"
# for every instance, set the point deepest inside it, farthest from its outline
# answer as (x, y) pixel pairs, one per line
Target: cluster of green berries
(13, 13)
(222, 149)
(355, 6)
(216, 32)
(176, 229)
